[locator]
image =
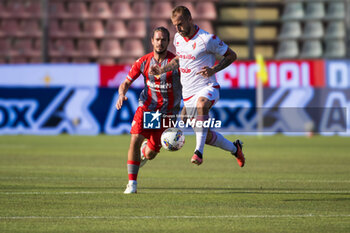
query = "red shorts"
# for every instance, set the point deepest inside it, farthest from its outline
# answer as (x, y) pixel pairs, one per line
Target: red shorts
(153, 135)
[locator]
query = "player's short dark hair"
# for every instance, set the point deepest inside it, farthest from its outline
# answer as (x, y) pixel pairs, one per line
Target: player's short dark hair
(182, 10)
(161, 29)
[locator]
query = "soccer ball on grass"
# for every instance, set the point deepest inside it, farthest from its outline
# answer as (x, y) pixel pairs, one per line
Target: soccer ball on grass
(172, 139)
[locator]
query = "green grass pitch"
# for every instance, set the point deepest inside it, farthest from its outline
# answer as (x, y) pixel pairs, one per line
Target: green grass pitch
(76, 183)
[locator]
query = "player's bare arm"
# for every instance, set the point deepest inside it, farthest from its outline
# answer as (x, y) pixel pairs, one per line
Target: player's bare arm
(172, 65)
(229, 58)
(123, 88)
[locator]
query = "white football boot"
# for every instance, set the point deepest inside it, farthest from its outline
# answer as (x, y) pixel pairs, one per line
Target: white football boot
(130, 188)
(143, 158)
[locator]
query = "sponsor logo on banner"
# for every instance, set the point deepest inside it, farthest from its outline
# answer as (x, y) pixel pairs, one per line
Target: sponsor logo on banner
(338, 74)
(280, 74)
(63, 111)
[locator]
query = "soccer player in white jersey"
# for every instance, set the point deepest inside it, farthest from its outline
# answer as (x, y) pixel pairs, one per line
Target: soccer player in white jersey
(196, 52)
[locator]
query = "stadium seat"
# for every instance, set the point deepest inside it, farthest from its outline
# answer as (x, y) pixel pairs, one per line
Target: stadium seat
(4, 12)
(100, 10)
(87, 48)
(93, 28)
(133, 48)
(233, 32)
(314, 10)
(293, 11)
(335, 48)
(158, 23)
(121, 9)
(10, 27)
(35, 60)
(24, 47)
(34, 9)
(335, 10)
(137, 28)
(110, 48)
(81, 60)
(313, 30)
(290, 30)
(287, 49)
(18, 9)
(71, 28)
(31, 27)
(62, 47)
(77, 9)
(205, 25)
(5, 46)
(311, 49)
(106, 61)
(205, 10)
(55, 29)
(57, 9)
(139, 9)
(116, 28)
(126, 61)
(59, 59)
(18, 60)
(161, 10)
(335, 29)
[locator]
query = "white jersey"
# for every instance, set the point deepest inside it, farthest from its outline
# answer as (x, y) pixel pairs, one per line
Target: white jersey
(194, 54)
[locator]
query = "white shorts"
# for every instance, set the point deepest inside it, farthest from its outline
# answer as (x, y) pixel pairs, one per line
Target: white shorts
(211, 92)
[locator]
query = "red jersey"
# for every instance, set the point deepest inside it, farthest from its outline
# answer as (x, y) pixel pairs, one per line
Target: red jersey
(161, 92)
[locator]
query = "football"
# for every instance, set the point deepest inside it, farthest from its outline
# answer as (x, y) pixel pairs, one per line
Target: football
(172, 139)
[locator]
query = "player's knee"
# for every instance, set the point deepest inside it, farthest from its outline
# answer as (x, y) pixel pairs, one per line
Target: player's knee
(203, 104)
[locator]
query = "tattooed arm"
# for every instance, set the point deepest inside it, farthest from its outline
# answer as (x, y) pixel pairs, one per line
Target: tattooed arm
(229, 57)
(172, 65)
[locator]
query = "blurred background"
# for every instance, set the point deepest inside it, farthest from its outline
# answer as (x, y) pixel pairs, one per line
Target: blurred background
(62, 60)
(117, 31)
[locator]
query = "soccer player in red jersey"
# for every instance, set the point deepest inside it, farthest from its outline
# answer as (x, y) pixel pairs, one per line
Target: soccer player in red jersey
(196, 52)
(162, 94)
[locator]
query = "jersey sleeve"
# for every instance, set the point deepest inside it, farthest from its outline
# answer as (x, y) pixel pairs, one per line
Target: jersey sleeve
(216, 46)
(135, 71)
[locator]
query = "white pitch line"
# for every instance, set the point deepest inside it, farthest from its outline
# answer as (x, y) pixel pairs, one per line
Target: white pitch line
(178, 217)
(111, 178)
(186, 192)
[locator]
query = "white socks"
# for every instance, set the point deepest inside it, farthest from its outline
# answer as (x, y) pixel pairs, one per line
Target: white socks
(219, 141)
(201, 134)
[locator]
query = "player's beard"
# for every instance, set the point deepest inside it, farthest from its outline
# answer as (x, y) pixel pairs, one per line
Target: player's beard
(161, 51)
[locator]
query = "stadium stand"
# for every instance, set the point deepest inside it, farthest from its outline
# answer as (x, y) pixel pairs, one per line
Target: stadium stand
(282, 29)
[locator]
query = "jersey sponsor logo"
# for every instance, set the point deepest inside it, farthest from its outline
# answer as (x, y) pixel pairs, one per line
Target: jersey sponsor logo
(187, 56)
(185, 70)
(159, 86)
(194, 45)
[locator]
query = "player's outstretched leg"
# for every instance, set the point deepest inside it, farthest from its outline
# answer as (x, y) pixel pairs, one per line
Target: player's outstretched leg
(216, 139)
